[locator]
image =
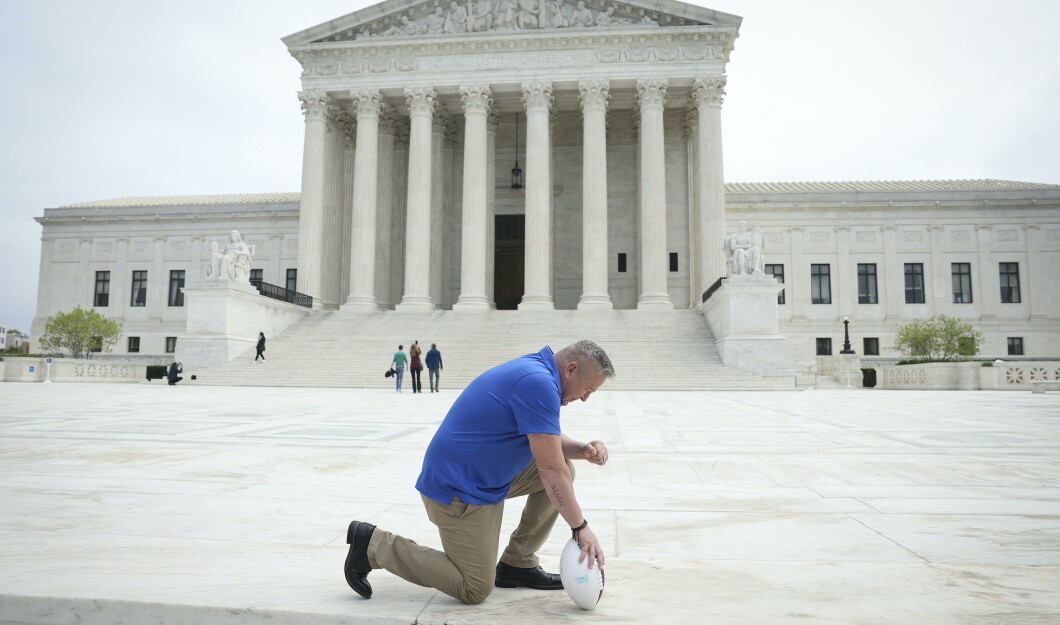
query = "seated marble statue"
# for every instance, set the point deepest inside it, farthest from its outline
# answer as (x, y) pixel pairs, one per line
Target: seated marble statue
(232, 262)
(744, 250)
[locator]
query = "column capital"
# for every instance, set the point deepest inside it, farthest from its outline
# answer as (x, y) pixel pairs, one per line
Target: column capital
(421, 100)
(709, 91)
(476, 98)
(537, 96)
(493, 119)
(367, 102)
(651, 93)
(594, 93)
(314, 104)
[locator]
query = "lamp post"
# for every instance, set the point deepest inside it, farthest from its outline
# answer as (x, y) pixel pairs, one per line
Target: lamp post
(846, 337)
(517, 172)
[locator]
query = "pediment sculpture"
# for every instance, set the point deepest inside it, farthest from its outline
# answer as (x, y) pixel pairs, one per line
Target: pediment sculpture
(480, 16)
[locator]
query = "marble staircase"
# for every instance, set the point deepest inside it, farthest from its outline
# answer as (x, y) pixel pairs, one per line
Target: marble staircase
(650, 350)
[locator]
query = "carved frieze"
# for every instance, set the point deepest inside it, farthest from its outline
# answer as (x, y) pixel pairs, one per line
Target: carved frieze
(488, 16)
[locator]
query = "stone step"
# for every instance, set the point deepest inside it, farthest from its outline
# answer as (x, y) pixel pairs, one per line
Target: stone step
(671, 350)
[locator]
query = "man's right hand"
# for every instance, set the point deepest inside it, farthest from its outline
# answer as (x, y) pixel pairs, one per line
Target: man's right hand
(590, 545)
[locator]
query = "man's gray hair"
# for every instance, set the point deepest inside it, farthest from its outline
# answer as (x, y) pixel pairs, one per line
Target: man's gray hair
(589, 354)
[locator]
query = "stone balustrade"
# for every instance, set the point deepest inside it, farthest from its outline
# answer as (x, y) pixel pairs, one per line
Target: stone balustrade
(972, 376)
(73, 370)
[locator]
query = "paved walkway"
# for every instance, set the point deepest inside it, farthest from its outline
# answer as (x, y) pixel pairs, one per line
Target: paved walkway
(143, 503)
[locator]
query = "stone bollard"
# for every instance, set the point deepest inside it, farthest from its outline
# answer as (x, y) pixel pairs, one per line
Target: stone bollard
(1037, 387)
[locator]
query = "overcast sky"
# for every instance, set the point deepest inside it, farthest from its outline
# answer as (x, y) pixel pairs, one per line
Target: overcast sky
(112, 98)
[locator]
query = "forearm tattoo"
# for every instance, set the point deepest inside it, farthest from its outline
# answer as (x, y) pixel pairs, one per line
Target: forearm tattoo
(557, 496)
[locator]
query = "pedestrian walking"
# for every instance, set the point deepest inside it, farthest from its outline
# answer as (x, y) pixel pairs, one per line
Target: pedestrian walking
(434, 365)
(261, 347)
(398, 365)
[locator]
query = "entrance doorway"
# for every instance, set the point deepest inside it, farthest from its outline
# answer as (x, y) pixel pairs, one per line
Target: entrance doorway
(509, 254)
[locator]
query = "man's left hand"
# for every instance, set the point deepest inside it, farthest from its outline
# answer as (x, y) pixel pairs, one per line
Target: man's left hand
(595, 452)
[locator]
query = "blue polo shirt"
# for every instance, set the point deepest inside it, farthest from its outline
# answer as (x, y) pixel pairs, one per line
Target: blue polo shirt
(482, 443)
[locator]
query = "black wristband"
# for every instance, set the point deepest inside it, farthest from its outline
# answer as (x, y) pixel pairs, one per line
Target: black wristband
(574, 530)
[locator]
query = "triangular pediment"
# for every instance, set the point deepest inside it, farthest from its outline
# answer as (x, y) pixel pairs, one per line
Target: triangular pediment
(409, 20)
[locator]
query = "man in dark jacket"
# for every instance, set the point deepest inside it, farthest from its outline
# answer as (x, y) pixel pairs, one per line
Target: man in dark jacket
(174, 369)
(434, 363)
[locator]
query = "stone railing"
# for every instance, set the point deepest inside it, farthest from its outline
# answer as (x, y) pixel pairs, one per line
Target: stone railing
(1040, 375)
(1037, 375)
(72, 370)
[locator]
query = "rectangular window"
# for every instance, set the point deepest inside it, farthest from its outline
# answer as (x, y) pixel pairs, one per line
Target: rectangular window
(824, 347)
(777, 271)
(871, 346)
(138, 297)
(256, 276)
(914, 283)
(673, 262)
(1015, 346)
(176, 286)
(820, 284)
(1010, 283)
(171, 344)
(102, 289)
(962, 282)
(134, 344)
(621, 262)
(292, 280)
(867, 293)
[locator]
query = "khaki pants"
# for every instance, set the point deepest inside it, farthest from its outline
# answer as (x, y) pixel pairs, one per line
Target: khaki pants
(470, 536)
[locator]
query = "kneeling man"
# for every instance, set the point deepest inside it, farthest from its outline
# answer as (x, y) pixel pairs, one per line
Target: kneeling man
(501, 439)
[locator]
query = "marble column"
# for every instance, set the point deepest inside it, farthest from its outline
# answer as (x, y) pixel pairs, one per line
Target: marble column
(401, 168)
(695, 244)
(384, 236)
(651, 94)
(331, 241)
(708, 95)
(367, 103)
(474, 229)
(594, 96)
(437, 182)
(311, 207)
(349, 161)
(537, 292)
(491, 202)
(417, 296)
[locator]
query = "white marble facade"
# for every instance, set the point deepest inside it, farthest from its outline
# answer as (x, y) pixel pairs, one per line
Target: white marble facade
(421, 101)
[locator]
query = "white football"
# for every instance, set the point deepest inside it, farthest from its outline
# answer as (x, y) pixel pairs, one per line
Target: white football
(584, 585)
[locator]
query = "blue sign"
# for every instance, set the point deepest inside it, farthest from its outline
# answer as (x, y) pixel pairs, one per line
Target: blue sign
(48, 360)
(32, 368)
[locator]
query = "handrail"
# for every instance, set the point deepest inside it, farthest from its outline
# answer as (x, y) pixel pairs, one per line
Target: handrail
(272, 291)
(713, 287)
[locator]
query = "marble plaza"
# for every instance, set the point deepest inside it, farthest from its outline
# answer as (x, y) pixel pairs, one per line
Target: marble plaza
(142, 503)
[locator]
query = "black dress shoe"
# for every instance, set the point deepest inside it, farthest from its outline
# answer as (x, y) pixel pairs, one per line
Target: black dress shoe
(536, 577)
(357, 567)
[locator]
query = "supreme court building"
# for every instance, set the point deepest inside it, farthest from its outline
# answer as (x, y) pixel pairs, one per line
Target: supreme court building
(541, 155)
